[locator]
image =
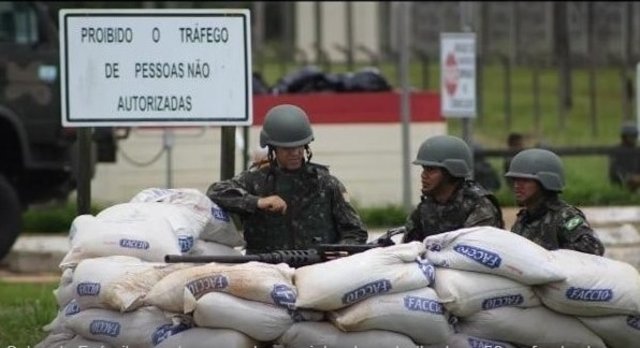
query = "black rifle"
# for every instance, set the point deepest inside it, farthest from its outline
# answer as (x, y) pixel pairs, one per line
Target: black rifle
(294, 258)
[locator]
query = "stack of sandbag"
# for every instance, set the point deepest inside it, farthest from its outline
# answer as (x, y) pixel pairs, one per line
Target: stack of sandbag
(503, 287)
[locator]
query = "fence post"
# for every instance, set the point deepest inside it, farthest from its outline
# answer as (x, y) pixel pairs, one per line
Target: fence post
(506, 66)
(592, 96)
(535, 84)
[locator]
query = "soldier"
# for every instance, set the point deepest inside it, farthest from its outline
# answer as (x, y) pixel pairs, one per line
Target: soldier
(290, 203)
(624, 162)
(449, 199)
(537, 178)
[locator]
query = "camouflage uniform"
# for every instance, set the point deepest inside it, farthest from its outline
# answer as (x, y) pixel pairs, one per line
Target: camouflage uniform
(470, 205)
(558, 225)
(318, 210)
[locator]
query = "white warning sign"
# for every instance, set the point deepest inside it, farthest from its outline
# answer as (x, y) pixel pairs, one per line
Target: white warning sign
(458, 74)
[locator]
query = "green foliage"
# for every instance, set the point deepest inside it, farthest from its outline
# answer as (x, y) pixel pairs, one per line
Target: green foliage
(24, 310)
(54, 218)
(386, 216)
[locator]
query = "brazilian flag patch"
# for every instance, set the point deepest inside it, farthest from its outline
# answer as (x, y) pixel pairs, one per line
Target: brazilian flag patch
(573, 223)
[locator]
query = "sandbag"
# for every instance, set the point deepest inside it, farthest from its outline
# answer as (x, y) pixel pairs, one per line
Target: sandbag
(595, 286)
(202, 247)
(324, 334)
(256, 281)
(617, 331)
(417, 314)
(146, 327)
(260, 321)
(492, 250)
(464, 293)
(198, 337)
(342, 282)
(144, 235)
(466, 341)
(535, 326)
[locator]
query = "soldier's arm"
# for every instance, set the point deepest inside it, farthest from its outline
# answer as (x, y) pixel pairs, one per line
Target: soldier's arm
(234, 195)
(576, 234)
(350, 227)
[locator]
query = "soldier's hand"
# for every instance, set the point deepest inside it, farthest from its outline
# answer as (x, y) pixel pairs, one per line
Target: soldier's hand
(273, 204)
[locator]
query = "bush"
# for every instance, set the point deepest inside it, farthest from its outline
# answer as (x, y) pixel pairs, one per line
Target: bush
(51, 218)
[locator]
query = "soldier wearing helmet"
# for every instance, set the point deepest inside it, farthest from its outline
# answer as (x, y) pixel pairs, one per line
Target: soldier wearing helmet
(290, 203)
(450, 199)
(624, 162)
(537, 178)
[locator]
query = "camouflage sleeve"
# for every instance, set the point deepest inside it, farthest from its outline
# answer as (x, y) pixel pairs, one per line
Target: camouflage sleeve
(233, 195)
(576, 234)
(412, 227)
(484, 214)
(350, 227)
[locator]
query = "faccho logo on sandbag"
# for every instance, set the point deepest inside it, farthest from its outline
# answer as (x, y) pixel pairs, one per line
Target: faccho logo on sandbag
(134, 244)
(377, 287)
(186, 242)
(481, 256)
(589, 295)
(167, 330)
(105, 327)
(633, 321)
(88, 289)
(414, 303)
(502, 301)
(427, 269)
(71, 308)
(283, 296)
(207, 284)
(478, 343)
(219, 214)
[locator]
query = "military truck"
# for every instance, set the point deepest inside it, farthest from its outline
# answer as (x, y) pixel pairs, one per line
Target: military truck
(37, 155)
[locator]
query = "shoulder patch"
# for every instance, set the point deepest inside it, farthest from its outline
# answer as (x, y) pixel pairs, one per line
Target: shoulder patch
(573, 223)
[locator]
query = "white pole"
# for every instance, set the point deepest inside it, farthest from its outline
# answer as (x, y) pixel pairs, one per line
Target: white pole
(405, 106)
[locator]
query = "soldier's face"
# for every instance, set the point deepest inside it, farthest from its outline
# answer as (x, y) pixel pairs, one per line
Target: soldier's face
(290, 158)
(526, 191)
(431, 178)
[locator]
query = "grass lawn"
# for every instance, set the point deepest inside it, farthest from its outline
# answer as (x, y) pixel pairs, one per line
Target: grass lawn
(24, 309)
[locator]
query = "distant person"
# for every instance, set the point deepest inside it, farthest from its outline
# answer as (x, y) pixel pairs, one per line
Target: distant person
(624, 161)
(537, 177)
(515, 143)
(450, 200)
(483, 172)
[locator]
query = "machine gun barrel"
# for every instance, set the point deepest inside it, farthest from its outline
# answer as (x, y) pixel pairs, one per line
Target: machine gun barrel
(295, 258)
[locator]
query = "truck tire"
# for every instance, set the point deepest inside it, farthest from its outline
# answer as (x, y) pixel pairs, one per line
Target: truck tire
(10, 216)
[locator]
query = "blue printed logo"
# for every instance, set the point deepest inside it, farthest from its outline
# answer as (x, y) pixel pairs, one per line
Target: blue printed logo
(283, 296)
(167, 330)
(377, 287)
(219, 214)
(427, 269)
(502, 301)
(589, 295)
(134, 244)
(414, 303)
(71, 308)
(105, 327)
(481, 256)
(633, 321)
(207, 284)
(478, 343)
(88, 289)
(186, 242)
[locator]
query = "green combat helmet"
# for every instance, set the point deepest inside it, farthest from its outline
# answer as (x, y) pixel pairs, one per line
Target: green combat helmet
(539, 164)
(286, 126)
(448, 152)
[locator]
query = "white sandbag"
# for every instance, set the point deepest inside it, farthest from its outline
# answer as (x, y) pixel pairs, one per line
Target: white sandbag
(617, 331)
(127, 292)
(55, 340)
(81, 342)
(466, 341)
(144, 236)
(146, 327)
(219, 228)
(492, 250)
(185, 223)
(416, 313)
(202, 247)
(464, 293)
(256, 281)
(344, 281)
(260, 321)
(199, 337)
(535, 326)
(595, 286)
(58, 324)
(324, 334)
(62, 293)
(92, 276)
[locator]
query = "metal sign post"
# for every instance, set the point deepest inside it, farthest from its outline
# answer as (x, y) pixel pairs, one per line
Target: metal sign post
(153, 67)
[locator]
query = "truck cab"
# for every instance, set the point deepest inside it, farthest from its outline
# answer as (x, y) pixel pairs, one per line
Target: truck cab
(37, 155)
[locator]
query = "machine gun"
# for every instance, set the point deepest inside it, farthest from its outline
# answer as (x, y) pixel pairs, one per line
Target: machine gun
(295, 258)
